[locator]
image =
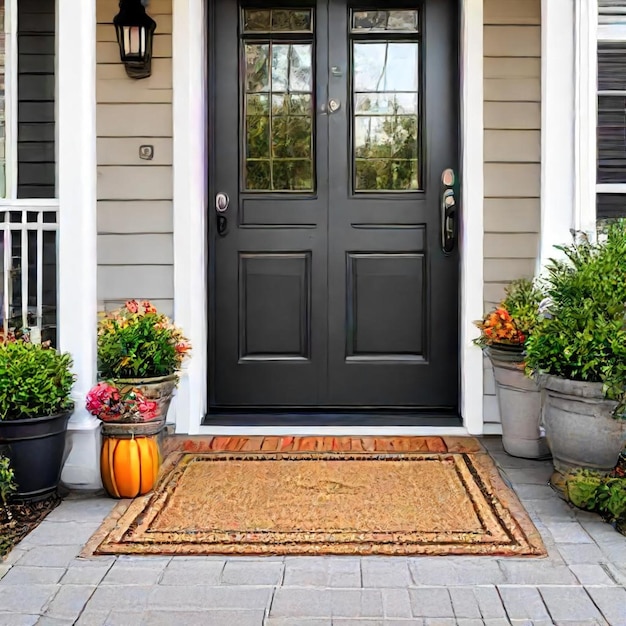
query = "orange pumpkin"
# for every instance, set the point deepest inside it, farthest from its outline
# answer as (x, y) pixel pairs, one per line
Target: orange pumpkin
(129, 467)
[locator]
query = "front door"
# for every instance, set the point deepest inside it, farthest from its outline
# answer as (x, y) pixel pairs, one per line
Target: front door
(334, 266)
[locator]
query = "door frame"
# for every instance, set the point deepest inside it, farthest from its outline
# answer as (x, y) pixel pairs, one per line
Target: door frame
(191, 207)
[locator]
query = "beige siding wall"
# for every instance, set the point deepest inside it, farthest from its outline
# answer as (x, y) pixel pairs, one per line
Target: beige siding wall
(512, 87)
(135, 253)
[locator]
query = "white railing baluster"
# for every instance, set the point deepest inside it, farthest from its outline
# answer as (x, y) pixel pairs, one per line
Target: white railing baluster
(6, 277)
(24, 269)
(40, 270)
(30, 314)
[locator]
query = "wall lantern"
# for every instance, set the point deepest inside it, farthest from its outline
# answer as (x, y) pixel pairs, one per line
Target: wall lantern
(135, 33)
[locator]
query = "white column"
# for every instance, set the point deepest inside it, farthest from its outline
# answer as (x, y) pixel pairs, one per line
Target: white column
(190, 210)
(557, 126)
(77, 263)
(472, 200)
(586, 115)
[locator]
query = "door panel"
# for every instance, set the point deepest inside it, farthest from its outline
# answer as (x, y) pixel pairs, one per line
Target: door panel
(331, 128)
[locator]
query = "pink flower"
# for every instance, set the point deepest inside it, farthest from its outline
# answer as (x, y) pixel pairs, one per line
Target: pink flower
(148, 410)
(148, 307)
(132, 306)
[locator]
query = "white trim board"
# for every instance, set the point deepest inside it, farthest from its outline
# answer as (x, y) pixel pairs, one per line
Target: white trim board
(190, 209)
(379, 431)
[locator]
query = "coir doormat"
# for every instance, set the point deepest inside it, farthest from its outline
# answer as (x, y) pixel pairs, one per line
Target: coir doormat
(322, 503)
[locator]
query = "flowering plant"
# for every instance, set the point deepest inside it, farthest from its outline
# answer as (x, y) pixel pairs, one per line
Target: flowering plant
(107, 403)
(136, 341)
(513, 320)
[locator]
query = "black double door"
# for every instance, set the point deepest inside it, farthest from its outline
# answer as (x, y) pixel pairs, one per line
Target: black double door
(334, 265)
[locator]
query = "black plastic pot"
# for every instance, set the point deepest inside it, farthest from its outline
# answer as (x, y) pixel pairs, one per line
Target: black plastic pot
(35, 449)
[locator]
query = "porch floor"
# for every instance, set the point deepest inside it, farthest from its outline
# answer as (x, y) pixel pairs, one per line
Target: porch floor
(582, 581)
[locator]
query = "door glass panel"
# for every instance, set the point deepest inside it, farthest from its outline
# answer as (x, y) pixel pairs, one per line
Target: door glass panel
(384, 21)
(278, 20)
(278, 104)
(385, 78)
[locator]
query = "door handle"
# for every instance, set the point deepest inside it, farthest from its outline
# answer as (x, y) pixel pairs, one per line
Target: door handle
(222, 201)
(448, 214)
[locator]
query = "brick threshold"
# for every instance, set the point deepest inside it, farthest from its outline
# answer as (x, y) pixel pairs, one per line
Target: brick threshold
(236, 443)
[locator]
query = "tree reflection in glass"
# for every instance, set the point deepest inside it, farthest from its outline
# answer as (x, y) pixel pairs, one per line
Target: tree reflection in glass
(278, 107)
(385, 88)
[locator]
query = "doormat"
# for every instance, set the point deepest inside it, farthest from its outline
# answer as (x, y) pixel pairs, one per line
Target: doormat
(258, 503)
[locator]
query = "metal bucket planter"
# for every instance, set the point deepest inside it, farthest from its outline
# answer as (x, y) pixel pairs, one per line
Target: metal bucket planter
(159, 389)
(519, 400)
(580, 428)
(35, 448)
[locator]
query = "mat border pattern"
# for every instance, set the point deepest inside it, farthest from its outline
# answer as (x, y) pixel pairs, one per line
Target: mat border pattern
(511, 532)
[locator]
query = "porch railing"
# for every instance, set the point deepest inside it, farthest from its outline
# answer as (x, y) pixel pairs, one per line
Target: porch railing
(28, 263)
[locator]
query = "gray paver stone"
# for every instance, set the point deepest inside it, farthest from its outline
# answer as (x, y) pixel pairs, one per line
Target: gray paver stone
(469, 622)
(431, 602)
(60, 533)
(123, 573)
(450, 571)
(581, 553)
(202, 596)
(356, 603)
(309, 572)
(523, 603)
(396, 603)
(125, 618)
(528, 476)
(385, 572)
(589, 574)
(187, 572)
(27, 575)
(81, 574)
(18, 619)
(496, 621)
(81, 510)
(537, 573)
(489, 603)
(569, 603)
(568, 532)
(92, 618)
(612, 602)
(296, 621)
(464, 603)
(122, 597)
(203, 618)
(70, 601)
(54, 621)
(439, 621)
(51, 556)
(252, 573)
(300, 603)
(28, 599)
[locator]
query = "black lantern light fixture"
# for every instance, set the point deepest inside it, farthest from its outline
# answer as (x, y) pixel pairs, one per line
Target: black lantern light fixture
(135, 33)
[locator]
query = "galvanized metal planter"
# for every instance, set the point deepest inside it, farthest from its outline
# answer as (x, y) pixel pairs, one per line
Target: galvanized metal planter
(580, 428)
(519, 400)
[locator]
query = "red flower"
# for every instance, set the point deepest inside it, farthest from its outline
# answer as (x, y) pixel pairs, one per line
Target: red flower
(148, 307)
(132, 306)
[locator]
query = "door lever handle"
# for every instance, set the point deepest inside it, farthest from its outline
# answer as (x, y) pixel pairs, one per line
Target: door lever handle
(448, 221)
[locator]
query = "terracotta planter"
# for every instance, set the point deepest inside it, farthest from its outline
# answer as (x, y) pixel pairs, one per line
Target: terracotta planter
(35, 448)
(580, 428)
(158, 389)
(519, 401)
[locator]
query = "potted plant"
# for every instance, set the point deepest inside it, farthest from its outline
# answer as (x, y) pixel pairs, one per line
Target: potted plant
(141, 351)
(579, 350)
(503, 335)
(35, 406)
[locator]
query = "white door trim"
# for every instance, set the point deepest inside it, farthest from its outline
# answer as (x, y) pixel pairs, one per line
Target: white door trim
(472, 199)
(191, 206)
(189, 63)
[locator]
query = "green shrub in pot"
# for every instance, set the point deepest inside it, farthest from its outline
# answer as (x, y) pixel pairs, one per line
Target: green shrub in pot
(35, 406)
(578, 349)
